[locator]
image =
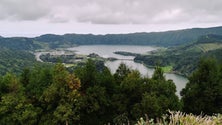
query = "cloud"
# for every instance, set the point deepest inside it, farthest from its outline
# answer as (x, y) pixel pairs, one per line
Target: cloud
(22, 9)
(112, 11)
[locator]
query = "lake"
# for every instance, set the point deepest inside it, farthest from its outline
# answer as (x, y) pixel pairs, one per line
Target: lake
(107, 51)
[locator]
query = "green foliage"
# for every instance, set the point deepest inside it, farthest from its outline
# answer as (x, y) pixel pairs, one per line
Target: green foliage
(121, 72)
(39, 78)
(18, 43)
(14, 61)
(202, 93)
(123, 97)
(14, 109)
(61, 98)
(14, 106)
(184, 59)
(158, 74)
(167, 68)
(46, 95)
(40, 96)
(87, 74)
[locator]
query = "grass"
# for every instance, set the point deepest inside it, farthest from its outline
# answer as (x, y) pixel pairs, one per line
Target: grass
(210, 46)
(179, 118)
(69, 65)
(167, 68)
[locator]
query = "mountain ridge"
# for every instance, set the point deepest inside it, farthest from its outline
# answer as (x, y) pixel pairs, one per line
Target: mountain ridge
(163, 38)
(166, 38)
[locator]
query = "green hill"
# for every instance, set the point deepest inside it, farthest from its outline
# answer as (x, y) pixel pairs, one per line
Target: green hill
(184, 58)
(15, 60)
(18, 43)
(168, 38)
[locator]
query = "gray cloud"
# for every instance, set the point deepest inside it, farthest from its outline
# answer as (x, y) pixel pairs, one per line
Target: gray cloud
(113, 11)
(22, 9)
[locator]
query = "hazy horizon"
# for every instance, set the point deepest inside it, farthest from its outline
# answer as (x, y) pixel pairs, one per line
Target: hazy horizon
(32, 18)
(29, 35)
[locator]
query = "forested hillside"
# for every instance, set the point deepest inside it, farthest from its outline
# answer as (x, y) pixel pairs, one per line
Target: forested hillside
(18, 43)
(15, 54)
(184, 59)
(168, 38)
(16, 60)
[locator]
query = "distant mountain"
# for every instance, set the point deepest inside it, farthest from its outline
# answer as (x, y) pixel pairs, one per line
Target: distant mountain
(168, 38)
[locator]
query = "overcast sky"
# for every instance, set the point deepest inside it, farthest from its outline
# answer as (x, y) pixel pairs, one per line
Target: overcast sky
(36, 17)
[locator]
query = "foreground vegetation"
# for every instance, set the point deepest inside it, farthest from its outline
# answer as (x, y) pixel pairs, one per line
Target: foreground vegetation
(92, 95)
(179, 118)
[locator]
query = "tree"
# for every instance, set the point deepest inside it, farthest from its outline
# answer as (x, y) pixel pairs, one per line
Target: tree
(158, 74)
(98, 88)
(61, 99)
(121, 72)
(87, 74)
(131, 92)
(203, 91)
(150, 105)
(95, 107)
(15, 108)
(35, 81)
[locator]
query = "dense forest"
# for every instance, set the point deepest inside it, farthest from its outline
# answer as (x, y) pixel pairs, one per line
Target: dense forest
(92, 95)
(16, 60)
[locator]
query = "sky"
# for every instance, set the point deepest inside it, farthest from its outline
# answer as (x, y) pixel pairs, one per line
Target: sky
(36, 17)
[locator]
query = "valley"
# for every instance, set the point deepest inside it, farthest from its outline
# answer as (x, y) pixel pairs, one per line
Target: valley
(76, 56)
(73, 49)
(53, 74)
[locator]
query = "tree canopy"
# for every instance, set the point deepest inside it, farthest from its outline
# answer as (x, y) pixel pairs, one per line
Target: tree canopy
(203, 92)
(92, 95)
